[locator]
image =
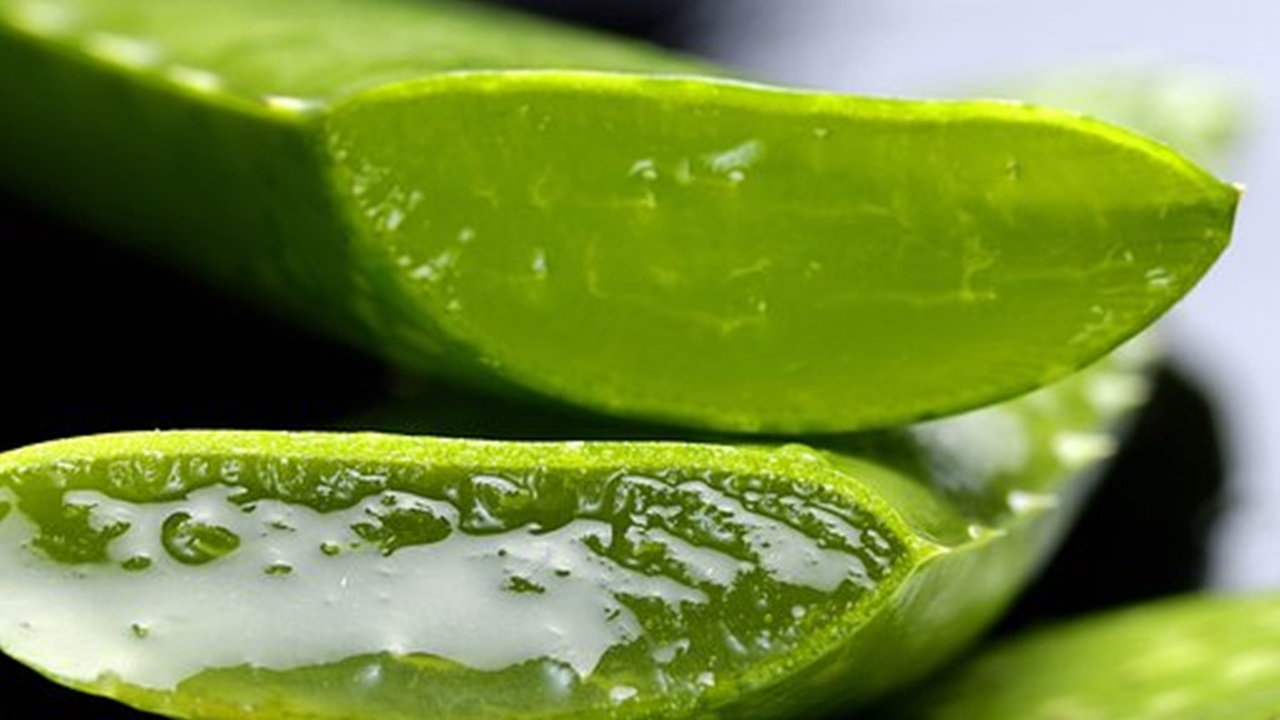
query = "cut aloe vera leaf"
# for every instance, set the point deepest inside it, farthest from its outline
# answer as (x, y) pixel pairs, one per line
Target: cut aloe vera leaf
(224, 574)
(504, 207)
(1211, 657)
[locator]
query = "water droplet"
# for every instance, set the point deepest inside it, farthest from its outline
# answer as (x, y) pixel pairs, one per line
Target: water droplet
(645, 169)
(736, 176)
(1159, 277)
(280, 524)
(466, 235)
(622, 693)
(122, 50)
(560, 678)
(822, 133)
(278, 569)
(403, 520)
(136, 563)
(370, 675)
(523, 585)
(433, 270)
(230, 471)
(196, 79)
(707, 679)
(291, 105)
(330, 548)
(192, 542)
(539, 264)
(739, 157)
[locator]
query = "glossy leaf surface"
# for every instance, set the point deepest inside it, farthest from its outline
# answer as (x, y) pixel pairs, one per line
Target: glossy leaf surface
(1203, 657)
(531, 209)
(361, 576)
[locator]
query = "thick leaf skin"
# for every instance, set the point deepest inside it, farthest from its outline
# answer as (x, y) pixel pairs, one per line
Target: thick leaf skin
(535, 210)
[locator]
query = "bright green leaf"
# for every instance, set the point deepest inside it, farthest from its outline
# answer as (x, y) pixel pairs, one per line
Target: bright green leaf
(530, 208)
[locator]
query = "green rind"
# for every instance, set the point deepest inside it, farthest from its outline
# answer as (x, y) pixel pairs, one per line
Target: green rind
(1209, 657)
(687, 249)
(972, 520)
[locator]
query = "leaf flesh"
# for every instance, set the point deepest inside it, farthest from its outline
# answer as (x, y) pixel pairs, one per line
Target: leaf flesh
(175, 563)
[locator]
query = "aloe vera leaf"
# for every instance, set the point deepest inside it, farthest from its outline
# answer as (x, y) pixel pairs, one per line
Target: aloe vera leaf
(1211, 657)
(487, 197)
(302, 575)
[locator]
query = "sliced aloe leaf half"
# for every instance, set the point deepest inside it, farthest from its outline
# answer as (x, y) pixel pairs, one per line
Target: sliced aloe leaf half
(532, 209)
(303, 575)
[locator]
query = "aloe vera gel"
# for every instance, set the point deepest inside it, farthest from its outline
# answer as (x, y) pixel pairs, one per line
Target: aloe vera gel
(534, 210)
(513, 578)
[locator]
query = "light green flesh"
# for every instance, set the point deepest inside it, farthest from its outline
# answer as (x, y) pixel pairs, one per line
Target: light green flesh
(481, 196)
(1205, 657)
(366, 576)
(516, 577)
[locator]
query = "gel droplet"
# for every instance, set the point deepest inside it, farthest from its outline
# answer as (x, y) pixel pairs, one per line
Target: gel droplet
(644, 169)
(136, 563)
(192, 542)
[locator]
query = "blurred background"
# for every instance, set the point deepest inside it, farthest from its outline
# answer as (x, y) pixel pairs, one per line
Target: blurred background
(1195, 499)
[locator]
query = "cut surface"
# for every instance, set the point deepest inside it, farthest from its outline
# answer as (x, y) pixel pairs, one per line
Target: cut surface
(547, 580)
